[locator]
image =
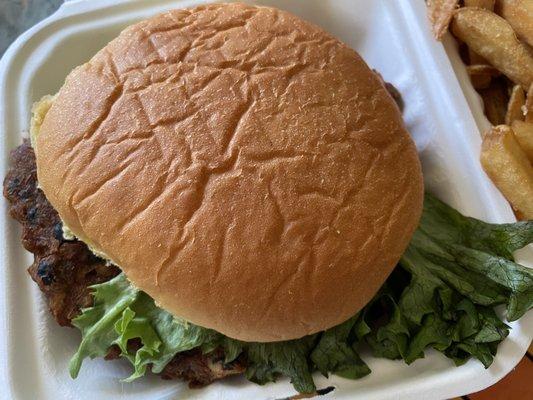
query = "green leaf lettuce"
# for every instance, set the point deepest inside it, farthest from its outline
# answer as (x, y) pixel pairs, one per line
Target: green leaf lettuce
(441, 295)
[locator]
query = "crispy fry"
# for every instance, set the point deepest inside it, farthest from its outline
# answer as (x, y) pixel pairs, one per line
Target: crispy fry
(440, 14)
(475, 59)
(506, 164)
(523, 132)
(487, 4)
(519, 13)
(481, 75)
(529, 105)
(495, 100)
(492, 37)
(515, 105)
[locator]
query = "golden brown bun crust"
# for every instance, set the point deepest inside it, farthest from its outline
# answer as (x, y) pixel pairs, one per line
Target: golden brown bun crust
(242, 166)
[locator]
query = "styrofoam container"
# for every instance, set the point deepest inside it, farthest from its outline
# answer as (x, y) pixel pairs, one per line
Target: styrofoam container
(442, 112)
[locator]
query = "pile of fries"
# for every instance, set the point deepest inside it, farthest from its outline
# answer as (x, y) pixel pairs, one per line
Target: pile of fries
(496, 44)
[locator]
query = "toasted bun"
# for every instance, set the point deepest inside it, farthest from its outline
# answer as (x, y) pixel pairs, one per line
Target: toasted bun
(243, 167)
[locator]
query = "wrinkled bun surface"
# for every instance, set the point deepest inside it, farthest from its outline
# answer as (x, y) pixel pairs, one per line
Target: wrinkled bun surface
(242, 166)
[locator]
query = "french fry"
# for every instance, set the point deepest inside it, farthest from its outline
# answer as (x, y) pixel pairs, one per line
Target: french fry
(529, 105)
(490, 36)
(519, 13)
(495, 101)
(475, 59)
(481, 75)
(487, 4)
(515, 106)
(523, 132)
(440, 14)
(507, 165)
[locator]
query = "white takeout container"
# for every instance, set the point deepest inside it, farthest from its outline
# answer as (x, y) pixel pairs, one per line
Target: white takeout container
(442, 112)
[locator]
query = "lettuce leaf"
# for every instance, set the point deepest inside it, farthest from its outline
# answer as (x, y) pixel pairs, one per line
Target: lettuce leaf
(97, 323)
(290, 358)
(120, 313)
(441, 295)
(334, 353)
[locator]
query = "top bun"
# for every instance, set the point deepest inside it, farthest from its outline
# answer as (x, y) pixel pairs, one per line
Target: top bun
(243, 167)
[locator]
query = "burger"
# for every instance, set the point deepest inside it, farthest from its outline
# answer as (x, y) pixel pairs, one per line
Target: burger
(227, 189)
